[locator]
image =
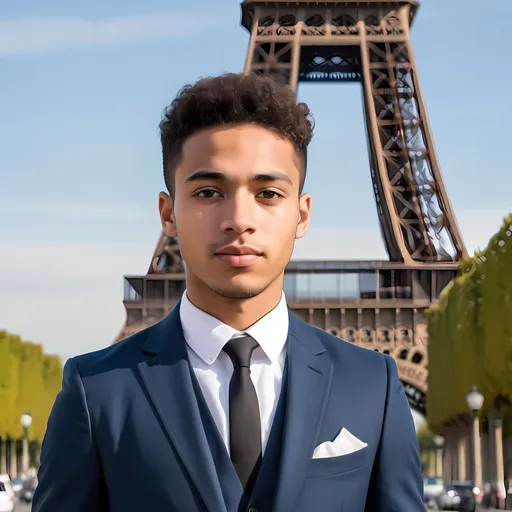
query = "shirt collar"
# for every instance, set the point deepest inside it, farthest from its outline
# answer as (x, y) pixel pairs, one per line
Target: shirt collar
(207, 335)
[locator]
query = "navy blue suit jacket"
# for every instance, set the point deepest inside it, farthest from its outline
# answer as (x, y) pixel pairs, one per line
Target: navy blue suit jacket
(125, 432)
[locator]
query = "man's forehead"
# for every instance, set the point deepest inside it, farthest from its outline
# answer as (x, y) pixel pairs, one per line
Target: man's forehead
(235, 137)
(230, 149)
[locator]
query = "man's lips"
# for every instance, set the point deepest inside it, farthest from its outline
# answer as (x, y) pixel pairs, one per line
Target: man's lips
(238, 256)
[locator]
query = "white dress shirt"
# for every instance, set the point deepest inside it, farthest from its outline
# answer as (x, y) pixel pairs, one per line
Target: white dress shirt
(206, 336)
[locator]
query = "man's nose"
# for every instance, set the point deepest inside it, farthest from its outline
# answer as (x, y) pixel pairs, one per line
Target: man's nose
(239, 214)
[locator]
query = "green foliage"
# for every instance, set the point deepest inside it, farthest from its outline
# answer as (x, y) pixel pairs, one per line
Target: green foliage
(426, 446)
(425, 437)
(29, 381)
(470, 332)
(495, 310)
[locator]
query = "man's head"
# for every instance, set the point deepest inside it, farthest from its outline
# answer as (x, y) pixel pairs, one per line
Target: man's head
(234, 155)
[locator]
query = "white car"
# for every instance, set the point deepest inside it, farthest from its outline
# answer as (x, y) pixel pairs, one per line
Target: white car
(7, 494)
(432, 488)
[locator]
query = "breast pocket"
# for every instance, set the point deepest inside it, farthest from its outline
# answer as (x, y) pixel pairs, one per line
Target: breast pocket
(331, 466)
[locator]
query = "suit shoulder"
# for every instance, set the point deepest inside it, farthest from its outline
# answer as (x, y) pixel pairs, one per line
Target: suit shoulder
(341, 348)
(118, 354)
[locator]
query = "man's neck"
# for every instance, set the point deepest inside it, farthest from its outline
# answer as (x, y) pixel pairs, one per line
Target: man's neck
(239, 314)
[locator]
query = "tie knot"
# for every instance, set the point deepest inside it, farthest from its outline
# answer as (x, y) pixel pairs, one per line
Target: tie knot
(240, 350)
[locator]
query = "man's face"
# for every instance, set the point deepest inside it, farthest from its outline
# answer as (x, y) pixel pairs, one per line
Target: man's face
(236, 209)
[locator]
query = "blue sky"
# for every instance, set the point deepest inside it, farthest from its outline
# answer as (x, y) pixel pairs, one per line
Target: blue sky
(82, 90)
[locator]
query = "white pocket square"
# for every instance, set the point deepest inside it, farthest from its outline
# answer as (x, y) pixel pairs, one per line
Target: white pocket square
(344, 444)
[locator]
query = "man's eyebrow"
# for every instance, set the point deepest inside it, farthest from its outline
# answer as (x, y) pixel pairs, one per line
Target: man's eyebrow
(206, 174)
(272, 176)
(210, 174)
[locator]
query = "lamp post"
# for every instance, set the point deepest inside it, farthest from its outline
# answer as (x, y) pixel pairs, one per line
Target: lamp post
(26, 421)
(475, 401)
(439, 442)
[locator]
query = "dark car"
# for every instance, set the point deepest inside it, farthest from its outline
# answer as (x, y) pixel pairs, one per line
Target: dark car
(457, 496)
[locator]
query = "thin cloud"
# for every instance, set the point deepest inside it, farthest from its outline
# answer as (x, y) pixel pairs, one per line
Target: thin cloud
(104, 212)
(40, 35)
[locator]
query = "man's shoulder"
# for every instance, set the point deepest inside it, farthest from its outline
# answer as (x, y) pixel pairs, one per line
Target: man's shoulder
(122, 354)
(342, 350)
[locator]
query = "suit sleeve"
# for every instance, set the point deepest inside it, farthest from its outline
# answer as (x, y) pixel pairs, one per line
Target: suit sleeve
(69, 476)
(396, 484)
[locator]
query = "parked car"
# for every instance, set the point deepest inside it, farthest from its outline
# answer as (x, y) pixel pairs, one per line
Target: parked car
(432, 488)
(7, 495)
(458, 496)
(16, 485)
(27, 489)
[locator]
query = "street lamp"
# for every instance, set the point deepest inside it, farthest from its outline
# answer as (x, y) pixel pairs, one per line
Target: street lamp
(26, 421)
(475, 401)
(439, 442)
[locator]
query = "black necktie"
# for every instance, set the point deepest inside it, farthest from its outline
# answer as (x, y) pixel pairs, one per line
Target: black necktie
(244, 412)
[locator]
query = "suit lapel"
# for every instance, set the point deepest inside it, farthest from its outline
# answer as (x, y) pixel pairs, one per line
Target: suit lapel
(167, 379)
(309, 380)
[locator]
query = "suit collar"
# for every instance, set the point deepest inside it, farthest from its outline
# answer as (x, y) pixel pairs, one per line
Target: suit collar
(159, 335)
(207, 335)
(305, 334)
(204, 334)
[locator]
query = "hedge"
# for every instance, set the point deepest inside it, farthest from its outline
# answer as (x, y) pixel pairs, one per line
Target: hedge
(29, 381)
(470, 333)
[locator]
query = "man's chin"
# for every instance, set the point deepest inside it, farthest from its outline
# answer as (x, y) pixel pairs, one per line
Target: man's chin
(240, 287)
(238, 293)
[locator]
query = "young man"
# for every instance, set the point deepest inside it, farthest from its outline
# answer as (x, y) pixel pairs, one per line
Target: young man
(230, 402)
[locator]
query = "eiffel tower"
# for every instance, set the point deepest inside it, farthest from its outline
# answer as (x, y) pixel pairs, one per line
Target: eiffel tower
(379, 305)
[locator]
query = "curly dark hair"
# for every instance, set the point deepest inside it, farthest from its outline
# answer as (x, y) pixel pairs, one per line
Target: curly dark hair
(234, 98)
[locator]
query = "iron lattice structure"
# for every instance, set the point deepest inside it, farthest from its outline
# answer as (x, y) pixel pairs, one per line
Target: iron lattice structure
(368, 42)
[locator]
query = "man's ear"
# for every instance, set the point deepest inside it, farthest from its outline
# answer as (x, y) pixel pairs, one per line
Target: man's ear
(167, 219)
(304, 212)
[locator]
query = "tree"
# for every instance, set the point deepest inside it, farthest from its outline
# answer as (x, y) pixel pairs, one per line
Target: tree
(29, 381)
(470, 333)
(426, 444)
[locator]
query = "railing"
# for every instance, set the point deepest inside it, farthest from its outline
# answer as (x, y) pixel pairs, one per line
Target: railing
(130, 293)
(144, 289)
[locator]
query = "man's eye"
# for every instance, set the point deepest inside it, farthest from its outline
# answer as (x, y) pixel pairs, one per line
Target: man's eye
(207, 194)
(269, 194)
